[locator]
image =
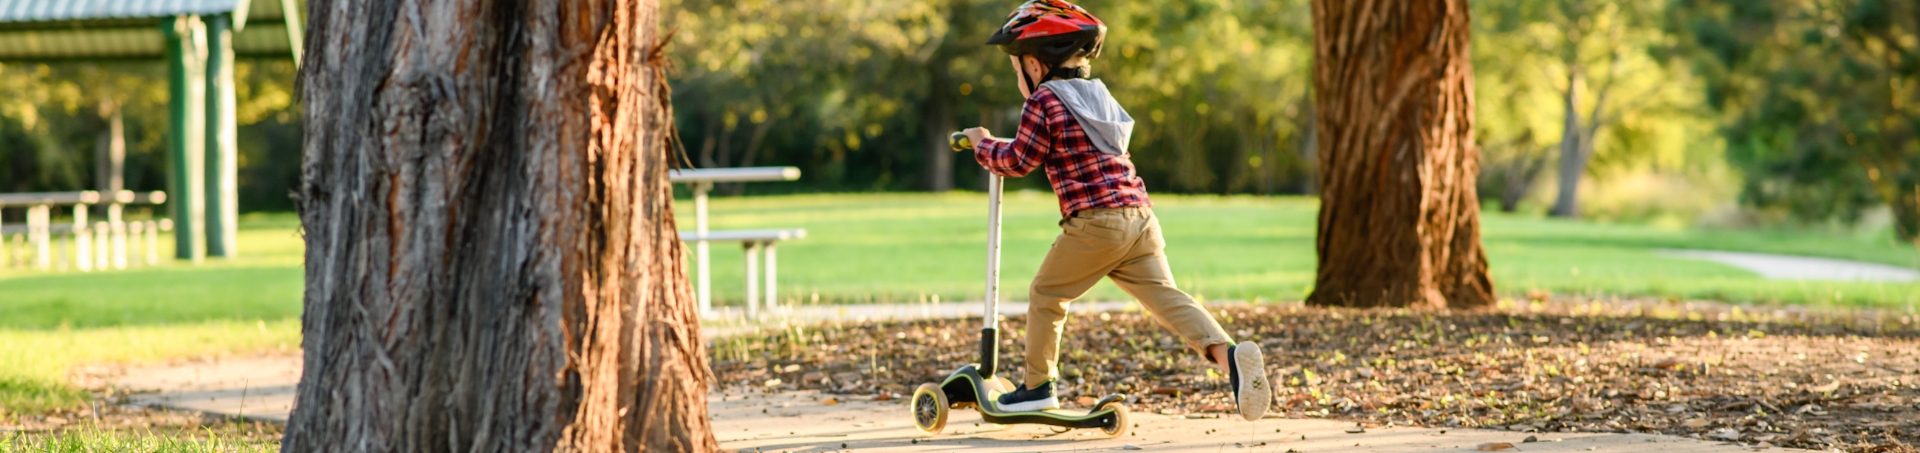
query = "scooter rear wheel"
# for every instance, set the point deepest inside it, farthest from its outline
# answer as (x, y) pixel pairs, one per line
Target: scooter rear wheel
(1119, 426)
(929, 407)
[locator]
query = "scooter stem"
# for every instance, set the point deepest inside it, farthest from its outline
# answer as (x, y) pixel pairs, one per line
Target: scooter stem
(989, 344)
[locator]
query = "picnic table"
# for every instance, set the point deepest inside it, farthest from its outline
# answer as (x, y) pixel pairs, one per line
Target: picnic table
(754, 242)
(96, 245)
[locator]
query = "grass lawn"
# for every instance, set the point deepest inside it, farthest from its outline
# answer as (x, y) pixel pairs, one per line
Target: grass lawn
(881, 248)
(912, 247)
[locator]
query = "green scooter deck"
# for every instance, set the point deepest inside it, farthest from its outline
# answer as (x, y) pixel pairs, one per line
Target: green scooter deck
(967, 386)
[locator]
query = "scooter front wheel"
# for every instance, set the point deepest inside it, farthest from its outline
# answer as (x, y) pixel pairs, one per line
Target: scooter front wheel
(929, 408)
(1118, 426)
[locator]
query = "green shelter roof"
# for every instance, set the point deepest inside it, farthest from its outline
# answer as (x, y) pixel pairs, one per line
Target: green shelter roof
(37, 30)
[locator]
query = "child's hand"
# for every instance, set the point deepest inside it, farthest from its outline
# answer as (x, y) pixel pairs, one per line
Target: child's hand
(977, 134)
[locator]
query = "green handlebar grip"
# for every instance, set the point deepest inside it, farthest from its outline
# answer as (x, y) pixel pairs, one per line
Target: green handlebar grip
(960, 142)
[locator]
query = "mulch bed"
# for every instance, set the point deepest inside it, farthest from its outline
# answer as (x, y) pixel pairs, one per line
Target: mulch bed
(1762, 376)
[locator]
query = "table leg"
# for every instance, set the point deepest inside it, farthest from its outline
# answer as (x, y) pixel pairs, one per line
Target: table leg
(82, 239)
(773, 270)
(753, 279)
(703, 288)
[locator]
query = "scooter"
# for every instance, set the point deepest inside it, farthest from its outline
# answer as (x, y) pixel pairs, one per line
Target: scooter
(976, 386)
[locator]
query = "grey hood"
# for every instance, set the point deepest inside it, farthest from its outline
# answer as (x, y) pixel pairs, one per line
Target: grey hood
(1107, 125)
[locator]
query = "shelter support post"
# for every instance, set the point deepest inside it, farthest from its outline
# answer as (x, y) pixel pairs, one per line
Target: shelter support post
(186, 140)
(223, 196)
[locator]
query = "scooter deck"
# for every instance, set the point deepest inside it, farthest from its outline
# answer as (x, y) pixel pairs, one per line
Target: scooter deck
(967, 386)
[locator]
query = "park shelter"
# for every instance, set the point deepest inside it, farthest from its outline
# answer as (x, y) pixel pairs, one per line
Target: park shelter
(198, 40)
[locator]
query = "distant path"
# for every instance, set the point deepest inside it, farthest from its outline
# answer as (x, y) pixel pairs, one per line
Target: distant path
(1789, 267)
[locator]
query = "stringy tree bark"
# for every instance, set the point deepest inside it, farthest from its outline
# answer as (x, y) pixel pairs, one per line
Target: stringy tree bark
(491, 259)
(1399, 215)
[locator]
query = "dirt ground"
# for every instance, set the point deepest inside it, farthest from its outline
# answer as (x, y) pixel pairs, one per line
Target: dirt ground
(1760, 376)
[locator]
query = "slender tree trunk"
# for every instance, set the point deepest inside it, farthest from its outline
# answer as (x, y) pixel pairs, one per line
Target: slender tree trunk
(491, 259)
(1399, 213)
(110, 149)
(1573, 162)
(936, 122)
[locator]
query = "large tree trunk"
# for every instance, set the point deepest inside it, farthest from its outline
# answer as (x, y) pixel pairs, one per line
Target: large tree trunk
(1399, 215)
(491, 261)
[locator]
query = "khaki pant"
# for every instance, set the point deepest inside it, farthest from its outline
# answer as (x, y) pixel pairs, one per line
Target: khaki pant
(1123, 244)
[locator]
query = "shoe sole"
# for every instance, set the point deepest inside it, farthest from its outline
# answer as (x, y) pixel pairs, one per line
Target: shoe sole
(1255, 392)
(1030, 406)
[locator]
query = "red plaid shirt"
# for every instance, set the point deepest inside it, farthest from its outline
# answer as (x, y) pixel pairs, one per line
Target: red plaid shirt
(1082, 177)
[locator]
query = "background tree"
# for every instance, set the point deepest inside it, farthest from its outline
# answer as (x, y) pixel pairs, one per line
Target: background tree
(491, 256)
(859, 87)
(1399, 213)
(1818, 101)
(1604, 66)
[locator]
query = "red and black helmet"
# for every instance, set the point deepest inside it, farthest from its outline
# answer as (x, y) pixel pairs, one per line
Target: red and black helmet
(1052, 30)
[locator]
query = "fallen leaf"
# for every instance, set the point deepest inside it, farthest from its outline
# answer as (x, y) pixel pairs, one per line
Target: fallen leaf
(1356, 430)
(1669, 364)
(831, 401)
(1695, 423)
(883, 396)
(1530, 439)
(1168, 391)
(772, 382)
(1728, 434)
(1131, 447)
(1493, 446)
(1085, 401)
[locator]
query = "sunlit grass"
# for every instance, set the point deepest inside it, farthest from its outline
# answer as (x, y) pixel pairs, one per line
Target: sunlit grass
(34, 363)
(913, 247)
(94, 439)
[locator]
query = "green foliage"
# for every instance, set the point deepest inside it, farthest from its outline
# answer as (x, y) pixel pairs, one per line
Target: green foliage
(1818, 101)
(51, 115)
(1640, 108)
(855, 92)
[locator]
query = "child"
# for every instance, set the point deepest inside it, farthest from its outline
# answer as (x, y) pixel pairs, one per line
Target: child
(1073, 127)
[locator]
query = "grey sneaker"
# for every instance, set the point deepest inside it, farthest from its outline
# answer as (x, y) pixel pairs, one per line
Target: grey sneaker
(1247, 371)
(1026, 399)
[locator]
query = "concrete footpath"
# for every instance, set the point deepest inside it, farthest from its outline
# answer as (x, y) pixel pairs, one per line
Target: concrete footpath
(805, 421)
(261, 388)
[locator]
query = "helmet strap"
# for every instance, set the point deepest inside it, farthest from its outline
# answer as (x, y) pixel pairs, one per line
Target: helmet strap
(1020, 76)
(1076, 72)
